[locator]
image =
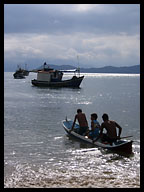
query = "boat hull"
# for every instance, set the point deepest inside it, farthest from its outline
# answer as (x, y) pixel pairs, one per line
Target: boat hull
(18, 76)
(74, 83)
(25, 73)
(123, 147)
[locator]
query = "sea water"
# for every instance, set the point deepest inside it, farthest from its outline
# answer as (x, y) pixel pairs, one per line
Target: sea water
(39, 154)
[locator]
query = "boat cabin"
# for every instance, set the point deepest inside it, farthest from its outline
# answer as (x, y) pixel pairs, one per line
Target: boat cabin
(49, 75)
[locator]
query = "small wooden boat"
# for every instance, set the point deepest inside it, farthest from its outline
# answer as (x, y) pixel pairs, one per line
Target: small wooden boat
(120, 146)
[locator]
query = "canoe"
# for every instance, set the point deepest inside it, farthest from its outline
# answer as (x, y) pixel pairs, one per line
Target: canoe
(120, 146)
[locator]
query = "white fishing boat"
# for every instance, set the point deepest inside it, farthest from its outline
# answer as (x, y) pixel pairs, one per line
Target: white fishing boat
(48, 77)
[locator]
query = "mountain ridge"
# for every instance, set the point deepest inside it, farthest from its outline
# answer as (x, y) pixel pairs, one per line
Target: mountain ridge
(106, 69)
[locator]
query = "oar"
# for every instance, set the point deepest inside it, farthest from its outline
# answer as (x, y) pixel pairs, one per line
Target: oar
(125, 137)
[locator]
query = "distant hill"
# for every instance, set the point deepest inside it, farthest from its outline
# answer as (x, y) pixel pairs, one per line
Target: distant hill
(57, 67)
(108, 69)
(9, 66)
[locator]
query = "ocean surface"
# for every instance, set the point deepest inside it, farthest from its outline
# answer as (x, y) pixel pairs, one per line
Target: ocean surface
(39, 154)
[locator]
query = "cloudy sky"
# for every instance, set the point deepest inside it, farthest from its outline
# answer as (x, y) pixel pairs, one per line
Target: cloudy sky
(100, 34)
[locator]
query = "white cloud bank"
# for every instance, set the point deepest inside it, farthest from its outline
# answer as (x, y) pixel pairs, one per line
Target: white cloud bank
(100, 34)
(92, 49)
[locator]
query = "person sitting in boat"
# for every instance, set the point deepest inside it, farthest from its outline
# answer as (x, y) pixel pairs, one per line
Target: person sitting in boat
(95, 127)
(110, 126)
(81, 117)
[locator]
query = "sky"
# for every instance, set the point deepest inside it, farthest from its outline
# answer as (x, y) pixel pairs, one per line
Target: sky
(99, 34)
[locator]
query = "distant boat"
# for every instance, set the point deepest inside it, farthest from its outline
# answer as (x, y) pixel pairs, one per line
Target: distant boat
(25, 72)
(48, 77)
(20, 73)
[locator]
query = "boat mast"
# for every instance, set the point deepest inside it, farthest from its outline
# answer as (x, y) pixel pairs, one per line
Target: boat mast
(78, 69)
(44, 65)
(26, 67)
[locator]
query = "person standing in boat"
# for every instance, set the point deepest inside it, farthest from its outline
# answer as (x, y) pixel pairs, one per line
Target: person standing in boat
(95, 127)
(81, 117)
(110, 126)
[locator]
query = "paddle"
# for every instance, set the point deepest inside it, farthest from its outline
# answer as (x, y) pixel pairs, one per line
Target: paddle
(125, 137)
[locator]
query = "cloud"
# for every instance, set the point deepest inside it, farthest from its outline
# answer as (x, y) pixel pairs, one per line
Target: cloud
(91, 49)
(101, 34)
(83, 7)
(67, 18)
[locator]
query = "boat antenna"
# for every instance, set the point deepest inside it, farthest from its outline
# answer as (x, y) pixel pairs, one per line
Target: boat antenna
(78, 69)
(44, 65)
(25, 66)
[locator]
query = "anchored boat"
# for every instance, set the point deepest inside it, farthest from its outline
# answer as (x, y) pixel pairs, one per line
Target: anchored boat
(18, 75)
(48, 77)
(120, 146)
(21, 73)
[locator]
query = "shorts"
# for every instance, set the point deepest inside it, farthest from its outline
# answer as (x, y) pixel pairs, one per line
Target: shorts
(94, 133)
(83, 130)
(108, 139)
